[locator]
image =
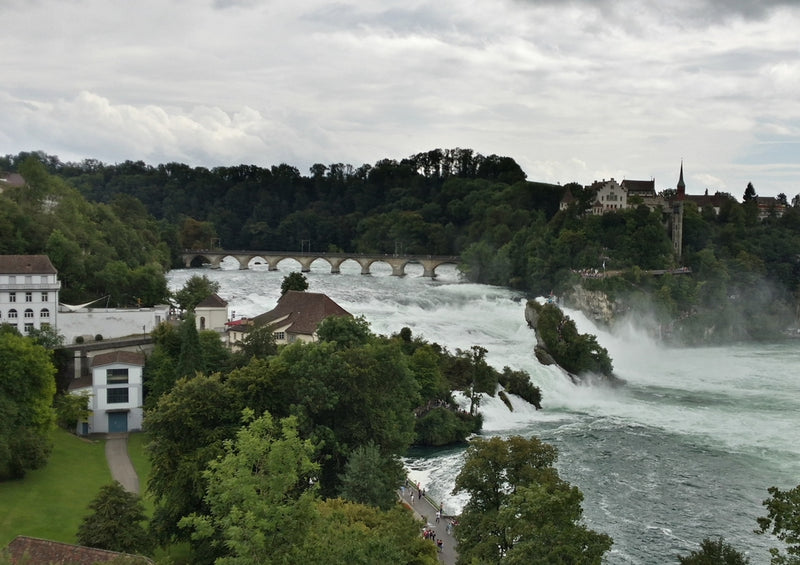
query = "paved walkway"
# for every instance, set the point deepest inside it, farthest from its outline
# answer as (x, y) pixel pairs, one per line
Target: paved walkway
(120, 463)
(427, 511)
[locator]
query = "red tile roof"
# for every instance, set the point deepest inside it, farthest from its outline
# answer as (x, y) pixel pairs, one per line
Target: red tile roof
(26, 265)
(35, 551)
(303, 311)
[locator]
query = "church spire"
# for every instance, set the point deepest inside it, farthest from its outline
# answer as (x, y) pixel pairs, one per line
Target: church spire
(681, 185)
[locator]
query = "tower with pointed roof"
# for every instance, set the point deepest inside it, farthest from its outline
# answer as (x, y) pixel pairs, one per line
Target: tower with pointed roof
(677, 215)
(681, 185)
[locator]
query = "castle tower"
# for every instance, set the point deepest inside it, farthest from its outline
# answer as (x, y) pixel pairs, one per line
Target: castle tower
(677, 216)
(681, 185)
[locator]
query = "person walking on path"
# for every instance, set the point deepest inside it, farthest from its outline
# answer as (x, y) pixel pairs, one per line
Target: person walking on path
(426, 510)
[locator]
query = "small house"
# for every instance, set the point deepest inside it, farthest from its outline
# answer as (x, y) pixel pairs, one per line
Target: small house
(211, 314)
(296, 317)
(115, 391)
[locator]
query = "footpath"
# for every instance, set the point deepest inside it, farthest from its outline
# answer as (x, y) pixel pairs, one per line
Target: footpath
(426, 510)
(120, 463)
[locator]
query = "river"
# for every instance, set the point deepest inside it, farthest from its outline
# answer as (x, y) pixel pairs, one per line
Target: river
(684, 450)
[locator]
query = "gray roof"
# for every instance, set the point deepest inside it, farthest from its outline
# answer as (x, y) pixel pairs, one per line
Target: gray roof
(213, 301)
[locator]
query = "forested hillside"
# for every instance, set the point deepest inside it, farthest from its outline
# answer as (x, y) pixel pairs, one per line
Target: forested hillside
(508, 230)
(113, 249)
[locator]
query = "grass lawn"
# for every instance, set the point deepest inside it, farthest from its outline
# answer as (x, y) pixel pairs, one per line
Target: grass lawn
(51, 502)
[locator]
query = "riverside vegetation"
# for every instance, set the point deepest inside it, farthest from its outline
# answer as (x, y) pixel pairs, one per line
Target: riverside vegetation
(133, 218)
(221, 423)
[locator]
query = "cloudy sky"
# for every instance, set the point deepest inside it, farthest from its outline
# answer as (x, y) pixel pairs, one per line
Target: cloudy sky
(572, 90)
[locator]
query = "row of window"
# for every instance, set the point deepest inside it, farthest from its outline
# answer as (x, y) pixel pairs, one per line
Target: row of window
(28, 326)
(13, 314)
(12, 296)
(12, 279)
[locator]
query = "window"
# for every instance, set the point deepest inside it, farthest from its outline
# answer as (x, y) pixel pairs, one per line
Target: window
(117, 395)
(279, 336)
(28, 297)
(43, 279)
(44, 297)
(28, 327)
(12, 313)
(28, 313)
(28, 280)
(45, 313)
(12, 296)
(116, 376)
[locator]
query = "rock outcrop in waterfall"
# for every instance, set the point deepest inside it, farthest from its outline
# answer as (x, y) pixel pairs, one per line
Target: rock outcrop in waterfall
(559, 343)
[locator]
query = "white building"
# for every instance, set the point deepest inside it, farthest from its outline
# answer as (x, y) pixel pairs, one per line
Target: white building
(28, 292)
(115, 393)
(110, 323)
(611, 196)
(211, 314)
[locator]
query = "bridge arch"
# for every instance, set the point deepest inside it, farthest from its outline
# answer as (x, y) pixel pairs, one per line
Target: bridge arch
(398, 264)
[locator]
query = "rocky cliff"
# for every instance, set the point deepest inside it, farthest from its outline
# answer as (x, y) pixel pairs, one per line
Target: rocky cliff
(595, 304)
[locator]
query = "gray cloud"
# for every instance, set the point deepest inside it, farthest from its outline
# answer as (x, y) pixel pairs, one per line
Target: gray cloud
(573, 91)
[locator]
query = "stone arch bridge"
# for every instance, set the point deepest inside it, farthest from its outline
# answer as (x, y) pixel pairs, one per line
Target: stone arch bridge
(214, 257)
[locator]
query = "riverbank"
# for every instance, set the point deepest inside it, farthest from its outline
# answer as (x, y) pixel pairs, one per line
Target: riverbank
(426, 509)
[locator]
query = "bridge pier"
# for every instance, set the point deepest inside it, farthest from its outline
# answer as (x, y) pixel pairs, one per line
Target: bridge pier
(335, 263)
(214, 257)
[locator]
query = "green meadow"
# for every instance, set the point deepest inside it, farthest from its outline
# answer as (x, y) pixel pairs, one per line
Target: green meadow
(50, 502)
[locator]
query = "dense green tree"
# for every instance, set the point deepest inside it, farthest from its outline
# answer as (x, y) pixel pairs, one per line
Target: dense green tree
(783, 521)
(261, 494)
(344, 331)
(371, 477)
(263, 508)
(294, 281)
(258, 342)
(116, 522)
(27, 388)
(71, 409)
(196, 289)
(347, 533)
(520, 510)
(216, 357)
(190, 358)
(187, 429)
(714, 552)
(345, 398)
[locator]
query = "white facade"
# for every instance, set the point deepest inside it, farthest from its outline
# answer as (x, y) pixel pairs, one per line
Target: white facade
(611, 196)
(110, 322)
(28, 294)
(116, 393)
(211, 314)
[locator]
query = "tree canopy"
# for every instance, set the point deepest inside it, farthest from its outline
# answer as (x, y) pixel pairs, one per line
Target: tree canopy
(520, 510)
(27, 388)
(115, 522)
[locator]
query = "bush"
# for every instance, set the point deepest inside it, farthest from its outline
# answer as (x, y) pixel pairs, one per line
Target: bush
(98, 337)
(442, 426)
(79, 339)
